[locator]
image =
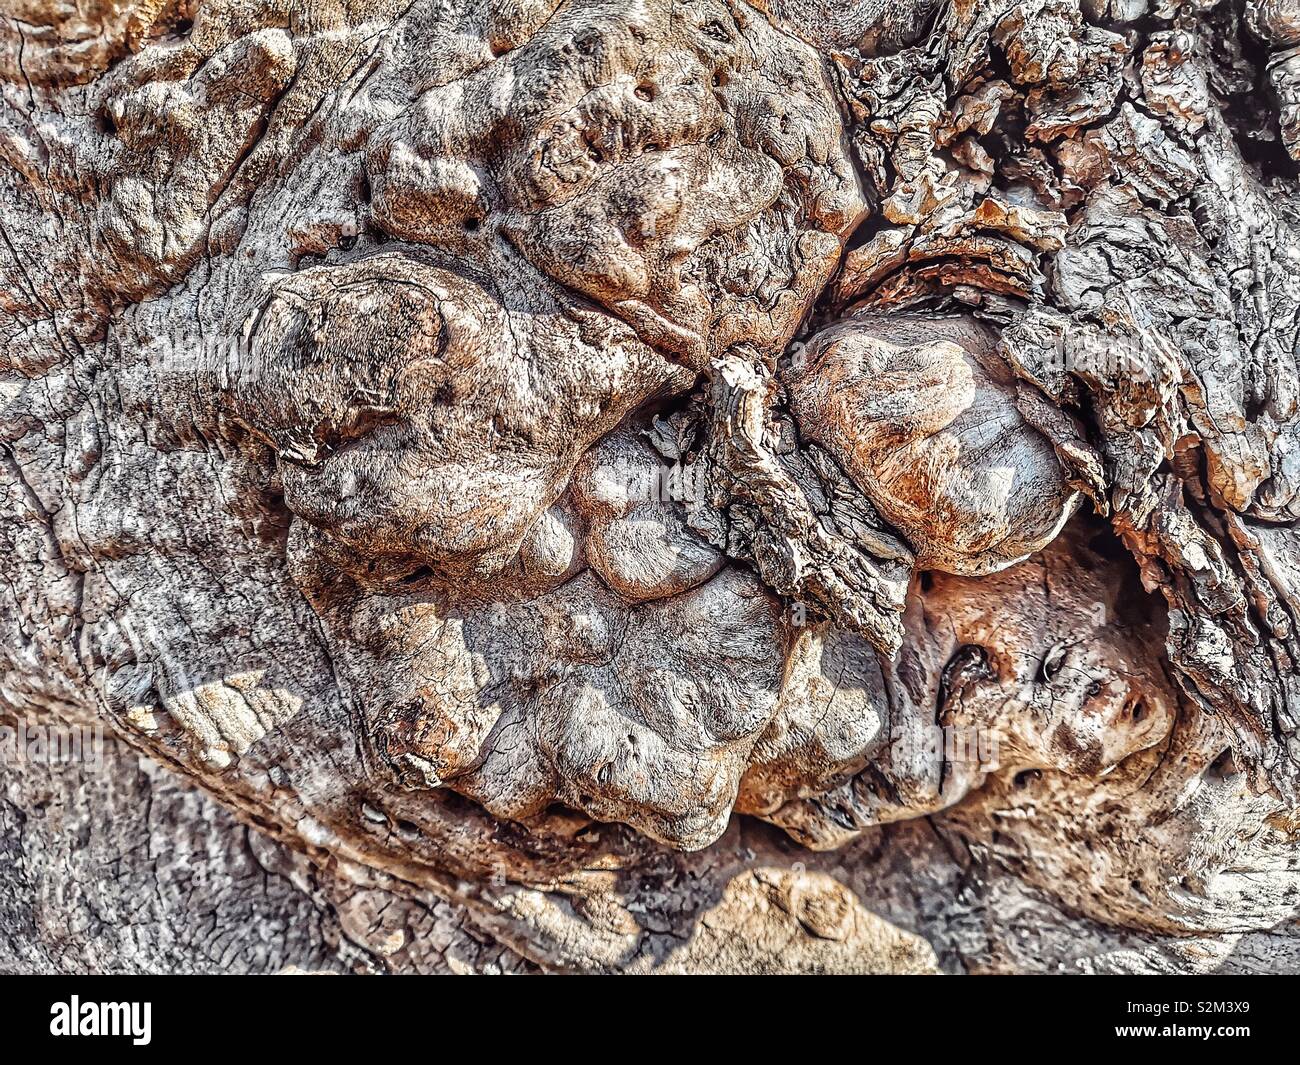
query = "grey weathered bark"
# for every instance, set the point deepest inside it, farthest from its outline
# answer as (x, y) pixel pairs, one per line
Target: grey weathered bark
(678, 486)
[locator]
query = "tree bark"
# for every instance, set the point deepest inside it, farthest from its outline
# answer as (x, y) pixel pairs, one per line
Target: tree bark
(675, 487)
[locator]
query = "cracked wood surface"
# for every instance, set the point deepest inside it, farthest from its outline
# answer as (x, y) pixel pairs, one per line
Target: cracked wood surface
(684, 486)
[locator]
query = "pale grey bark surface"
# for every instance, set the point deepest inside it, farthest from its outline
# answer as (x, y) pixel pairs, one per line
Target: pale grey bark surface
(573, 485)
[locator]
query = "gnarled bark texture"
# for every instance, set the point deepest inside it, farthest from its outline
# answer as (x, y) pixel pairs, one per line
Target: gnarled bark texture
(689, 485)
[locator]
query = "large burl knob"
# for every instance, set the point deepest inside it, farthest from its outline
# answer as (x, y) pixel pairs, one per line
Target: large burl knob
(419, 421)
(920, 412)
